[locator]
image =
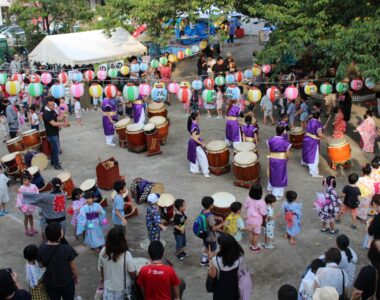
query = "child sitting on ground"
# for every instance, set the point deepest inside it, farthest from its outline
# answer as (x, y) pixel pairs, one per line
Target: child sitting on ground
(234, 224)
(293, 215)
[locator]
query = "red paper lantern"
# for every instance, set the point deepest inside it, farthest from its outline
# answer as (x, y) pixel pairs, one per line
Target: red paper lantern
(35, 78)
(209, 83)
(273, 93)
(89, 75)
(62, 77)
(17, 77)
(184, 94)
(239, 76)
(110, 91)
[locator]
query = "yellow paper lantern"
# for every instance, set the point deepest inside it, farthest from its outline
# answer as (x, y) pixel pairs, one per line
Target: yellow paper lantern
(310, 89)
(124, 70)
(254, 94)
(173, 58)
(185, 83)
(203, 45)
(13, 87)
(256, 70)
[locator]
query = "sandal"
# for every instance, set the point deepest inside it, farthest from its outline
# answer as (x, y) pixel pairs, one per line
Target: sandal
(334, 231)
(324, 230)
(255, 250)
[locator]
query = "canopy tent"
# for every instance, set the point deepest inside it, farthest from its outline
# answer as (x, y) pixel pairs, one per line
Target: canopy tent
(86, 47)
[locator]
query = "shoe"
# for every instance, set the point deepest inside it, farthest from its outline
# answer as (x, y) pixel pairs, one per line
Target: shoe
(5, 212)
(353, 226)
(324, 230)
(2, 214)
(217, 118)
(34, 231)
(180, 256)
(57, 167)
(111, 144)
(195, 173)
(208, 117)
(334, 231)
(204, 263)
(317, 176)
(269, 246)
(338, 221)
(207, 175)
(184, 254)
(255, 250)
(29, 233)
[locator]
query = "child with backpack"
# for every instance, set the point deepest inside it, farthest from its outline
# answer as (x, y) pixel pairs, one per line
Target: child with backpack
(293, 215)
(269, 222)
(205, 228)
(179, 224)
(234, 224)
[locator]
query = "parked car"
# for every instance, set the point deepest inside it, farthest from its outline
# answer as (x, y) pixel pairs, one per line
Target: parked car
(15, 35)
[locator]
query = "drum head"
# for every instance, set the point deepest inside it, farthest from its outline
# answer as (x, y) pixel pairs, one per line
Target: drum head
(166, 200)
(123, 123)
(157, 188)
(156, 105)
(223, 199)
(113, 194)
(158, 120)
(297, 130)
(87, 185)
(244, 146)
(29, 132)
(9, 157)
(245, 158)
(64, 176)
(337, 142)
(140, 262)
(40, 160)
(149, 127)
(216, 145)
(14, 140)
(32, 170)
(135, 127)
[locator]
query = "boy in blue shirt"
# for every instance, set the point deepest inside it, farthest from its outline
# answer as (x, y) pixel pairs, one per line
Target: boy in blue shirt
(118, 214)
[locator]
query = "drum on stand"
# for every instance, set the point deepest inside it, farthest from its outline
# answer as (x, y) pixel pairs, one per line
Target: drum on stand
(31, 139)
(15, 144)
(67, 183)
(245, 146)
(10, 163)
(136, 138)
(218, 157)
(222, 203)
(42, 133)
(152, 139)
(121, 131)
(296, 135)
(246, 169)
(166, 204)
(45, 145)
(162, 126)
(37, 179)
(157, 109)
(339, 153)
(89, 185)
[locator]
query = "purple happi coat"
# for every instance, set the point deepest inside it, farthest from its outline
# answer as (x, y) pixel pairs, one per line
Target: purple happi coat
(192, 145)
(310, 145)
(250, 130)
(232, 126)
(278, 168)
(285, 125)
(137, 109)
(109, 106)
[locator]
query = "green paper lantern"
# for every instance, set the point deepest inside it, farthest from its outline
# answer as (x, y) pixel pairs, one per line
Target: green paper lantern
(35, 89)
(163, 61)
(209, 96)
(188, 52)
(3, 78)
(154, 63)
(220, 80)
(341, 87)
(326, 88)
(112, 73)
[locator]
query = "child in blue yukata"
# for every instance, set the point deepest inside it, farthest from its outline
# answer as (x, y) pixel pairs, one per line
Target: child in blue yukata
(153, 218)
(293, 215)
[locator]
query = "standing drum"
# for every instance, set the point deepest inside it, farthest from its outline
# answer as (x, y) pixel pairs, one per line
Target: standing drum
(218, 157)
(42, 133)
(89, 185)
(36, 177)
(67, 183)
(15, 144)
(136, 138)
(152, 139)
(31, 139)
(339, 152)
(244, 146)
(246, 169)
(166, 204)
(121, 130)
(157, 109)
(10, 163)
(222, 203)
(162, 126)
(296, 135)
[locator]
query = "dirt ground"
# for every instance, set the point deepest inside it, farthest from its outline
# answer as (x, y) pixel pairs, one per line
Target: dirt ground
(83, 146)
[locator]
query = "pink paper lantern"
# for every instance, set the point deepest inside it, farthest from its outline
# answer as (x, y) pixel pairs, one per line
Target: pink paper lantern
(77, 90)
(291, 92)
(273, 93)
(144, 89)
(110, 91)
(46, 78)
(356, 84)
(184, 94)
(35, 78)
(266, 69)
(239, 76)
(173, 87)
(89, 75)
(63, 77)
(17, 77)
(180, 55)
(102, 74)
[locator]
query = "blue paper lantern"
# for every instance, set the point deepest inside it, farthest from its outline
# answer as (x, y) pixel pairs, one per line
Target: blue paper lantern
(230, 79)
(76, 76)
(57, 91)
(143, 67)
(197, 85)
(159, 93)
(248, 74)
(135, 68)
(233, 92)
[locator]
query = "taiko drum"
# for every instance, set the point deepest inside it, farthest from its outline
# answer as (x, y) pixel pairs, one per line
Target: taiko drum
(218, 157)
(246, 169)
(338, 150)
(296, 136)
(136, 138)
(157, 109)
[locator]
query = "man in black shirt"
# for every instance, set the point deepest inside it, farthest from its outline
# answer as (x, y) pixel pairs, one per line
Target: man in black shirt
(52, 131)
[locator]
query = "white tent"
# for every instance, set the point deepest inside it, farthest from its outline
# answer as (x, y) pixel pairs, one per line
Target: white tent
(86, 48)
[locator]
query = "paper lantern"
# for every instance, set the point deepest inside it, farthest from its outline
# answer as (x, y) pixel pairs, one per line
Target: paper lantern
(173, 87)
(101, 74)
(57, 91)
(145, 89)
(35, 89)
(341, 87)
(197, 85)
(273, 93)
(76, 76)
(3, 78)
(154, 63)
(266, 69)
(248, 74)
(291, 92)
(203, 44)
(89, 75)
(220, 80)
(112, 73)
(110, 91)
(63, 77)
(143, 67)
(180, 55)
(326, 88)
(95, 90)
(185, 83)
(254, 94)
(35, 78)
(77, 90)
(17, 76)
(159, 93)
(233, 92)
(172, 58)
(130, 92)
(239, 76)
(124, 70)
(356, 84)
(188, 52)
(163, 61)
(230, 78)
(209, 96)
(369, 83)
(13, 87)
(310, 89)
(209, 83)
(135, 68)
(184, 94)
(195, 48)
(256, 71)
(46, 78)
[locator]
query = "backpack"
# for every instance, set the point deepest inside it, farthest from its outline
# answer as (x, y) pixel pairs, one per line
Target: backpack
(200, 226)
(230, 224)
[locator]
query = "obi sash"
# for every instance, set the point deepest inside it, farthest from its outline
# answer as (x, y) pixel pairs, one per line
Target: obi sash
(313, 136)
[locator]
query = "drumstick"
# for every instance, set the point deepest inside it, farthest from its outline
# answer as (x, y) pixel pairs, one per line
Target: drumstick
(327, 120)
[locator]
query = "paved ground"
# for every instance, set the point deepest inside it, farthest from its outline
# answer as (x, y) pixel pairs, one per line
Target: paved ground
(83, 146)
